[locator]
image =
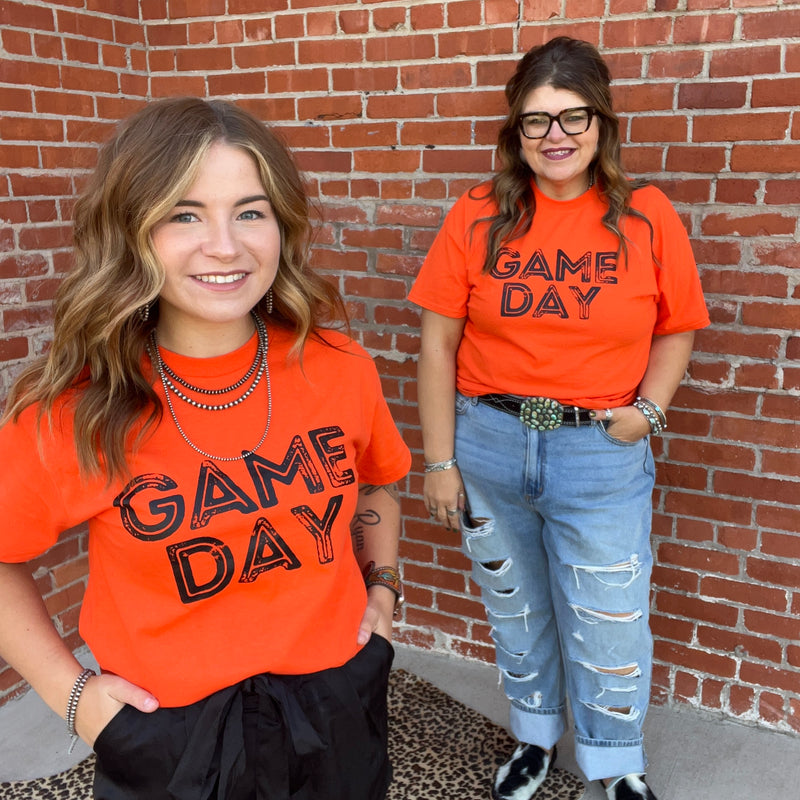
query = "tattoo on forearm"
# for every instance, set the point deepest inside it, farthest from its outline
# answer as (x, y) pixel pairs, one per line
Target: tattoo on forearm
(390, 489)
(359, 524)
(369, 517)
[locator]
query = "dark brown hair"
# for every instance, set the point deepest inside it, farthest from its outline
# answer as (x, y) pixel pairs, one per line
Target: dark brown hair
(576, 66)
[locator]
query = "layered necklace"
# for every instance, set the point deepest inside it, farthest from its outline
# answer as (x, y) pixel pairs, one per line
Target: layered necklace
(175, 385)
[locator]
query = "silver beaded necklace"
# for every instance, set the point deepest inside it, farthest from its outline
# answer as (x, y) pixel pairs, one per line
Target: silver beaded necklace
(260, 366)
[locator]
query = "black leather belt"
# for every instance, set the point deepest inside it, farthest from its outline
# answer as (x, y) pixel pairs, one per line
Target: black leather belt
(539, 413)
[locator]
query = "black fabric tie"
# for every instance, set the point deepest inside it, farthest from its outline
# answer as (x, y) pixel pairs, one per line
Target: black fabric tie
(215, 752)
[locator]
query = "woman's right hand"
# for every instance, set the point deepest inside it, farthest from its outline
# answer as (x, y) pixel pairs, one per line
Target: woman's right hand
(102, 699)
(444, 496)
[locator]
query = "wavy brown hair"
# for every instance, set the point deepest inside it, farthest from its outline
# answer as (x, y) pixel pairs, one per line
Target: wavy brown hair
(99, 339)
(574, 65)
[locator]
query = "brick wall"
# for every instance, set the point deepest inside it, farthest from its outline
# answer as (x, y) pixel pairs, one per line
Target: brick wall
(392, 107)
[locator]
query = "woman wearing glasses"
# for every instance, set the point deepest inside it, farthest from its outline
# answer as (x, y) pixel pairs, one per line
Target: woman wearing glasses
(559, 305)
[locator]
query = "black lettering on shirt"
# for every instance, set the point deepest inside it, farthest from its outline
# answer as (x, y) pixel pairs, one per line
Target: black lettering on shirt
(203, 555)
(168, 512)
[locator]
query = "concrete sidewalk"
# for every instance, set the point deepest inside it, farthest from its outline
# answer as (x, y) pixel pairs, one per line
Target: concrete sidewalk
(693, 756)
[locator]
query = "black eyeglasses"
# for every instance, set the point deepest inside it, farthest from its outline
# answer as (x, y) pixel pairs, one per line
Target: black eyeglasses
(537, 124)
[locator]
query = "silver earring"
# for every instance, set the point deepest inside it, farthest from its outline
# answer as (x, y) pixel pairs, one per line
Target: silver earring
(268, 298)
(144, 312)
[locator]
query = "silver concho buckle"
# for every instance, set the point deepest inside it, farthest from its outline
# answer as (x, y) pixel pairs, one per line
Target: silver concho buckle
(541, 413)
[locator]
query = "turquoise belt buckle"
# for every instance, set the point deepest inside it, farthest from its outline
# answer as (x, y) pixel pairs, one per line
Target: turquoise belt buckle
(541, 413)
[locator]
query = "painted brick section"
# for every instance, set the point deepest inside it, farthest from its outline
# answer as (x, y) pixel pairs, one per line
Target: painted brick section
(392, 109)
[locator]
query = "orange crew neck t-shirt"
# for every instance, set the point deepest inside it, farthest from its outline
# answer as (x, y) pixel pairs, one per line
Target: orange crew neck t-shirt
(562, 314)
(203, 572)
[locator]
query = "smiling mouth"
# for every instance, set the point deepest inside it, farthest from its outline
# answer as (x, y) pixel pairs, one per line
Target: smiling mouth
(232, 278)
(562, 153)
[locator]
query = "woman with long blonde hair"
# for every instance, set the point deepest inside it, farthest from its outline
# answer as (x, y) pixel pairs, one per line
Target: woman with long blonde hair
(243, 527)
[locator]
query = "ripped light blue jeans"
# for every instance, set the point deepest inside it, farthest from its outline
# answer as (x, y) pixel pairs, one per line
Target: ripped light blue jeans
(558, 531)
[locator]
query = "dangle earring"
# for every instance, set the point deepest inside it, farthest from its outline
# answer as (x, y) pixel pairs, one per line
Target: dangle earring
(144, 312)
(268, 300)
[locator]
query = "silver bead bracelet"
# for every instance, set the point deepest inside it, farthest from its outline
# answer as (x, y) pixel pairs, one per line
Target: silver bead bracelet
(72, 704)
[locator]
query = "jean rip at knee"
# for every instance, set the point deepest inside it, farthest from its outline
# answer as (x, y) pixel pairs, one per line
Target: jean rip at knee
(608, 688)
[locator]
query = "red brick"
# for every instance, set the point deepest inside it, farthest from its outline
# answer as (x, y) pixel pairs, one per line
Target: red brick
(774, 572)
(694, 530)
(29, 73)
(700, 559)
(329, 108)
(477, 162)
(461, 13)
(701, 29)
(644, 31)
(173, 34)
(770, 708)
(689, 158)
(484, 42)
(716, 252)
(782, 192)
(31, 129)
(736, 190)
(413, 106)
(416, 215)
(711, 694)
(376, 79)
(771, 315)
(780, 545)
(743, 593)
(13, 349)
(497, 12)
(770, 26)
(745, 60)
(17, 43)
(624, 65)
(638, 97)
(386, 161)
(756, 376)
(696, 609)
(686, 685)
(434, 76)
(89, 26)
(728, 127)
(699, 660)
(674, 629)
(752, 158)
(781, 463)
(740, 700)
(672, 128)
(772, 677)
(679, 64)
(719, 94)
(743, 646)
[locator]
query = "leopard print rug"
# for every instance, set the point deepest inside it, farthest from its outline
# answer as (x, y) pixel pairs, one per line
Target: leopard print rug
(439, 748)
(442, 749)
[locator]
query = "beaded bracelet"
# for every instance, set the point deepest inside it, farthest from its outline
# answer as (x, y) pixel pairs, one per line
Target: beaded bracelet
(653, 420)
(440, 466)
(72, 704)
(655, 407)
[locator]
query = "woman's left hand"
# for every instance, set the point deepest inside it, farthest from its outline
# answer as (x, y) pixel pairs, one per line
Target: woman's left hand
(377, 615)
(628, 424)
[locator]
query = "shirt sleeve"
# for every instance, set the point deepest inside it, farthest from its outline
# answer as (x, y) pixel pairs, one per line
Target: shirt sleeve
(32, 508)
(443, 284)
(681, 306)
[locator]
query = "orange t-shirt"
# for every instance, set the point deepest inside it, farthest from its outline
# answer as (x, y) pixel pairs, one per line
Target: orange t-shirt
(203, 572)
(561, 315)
